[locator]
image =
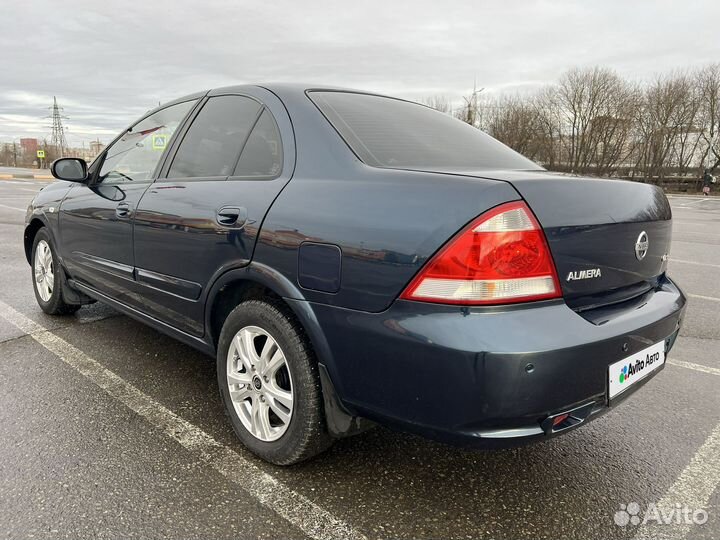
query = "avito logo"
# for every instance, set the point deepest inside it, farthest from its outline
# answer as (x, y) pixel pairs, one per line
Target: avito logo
(638, 366)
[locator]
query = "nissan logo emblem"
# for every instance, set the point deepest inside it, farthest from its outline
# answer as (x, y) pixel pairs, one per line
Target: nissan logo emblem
(641, 246)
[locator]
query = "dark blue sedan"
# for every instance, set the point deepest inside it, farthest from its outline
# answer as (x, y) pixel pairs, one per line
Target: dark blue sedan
(353, 259)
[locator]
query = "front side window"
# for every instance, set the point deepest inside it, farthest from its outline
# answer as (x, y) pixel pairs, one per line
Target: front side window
(136, 154)
(388, 132)
(216, 137)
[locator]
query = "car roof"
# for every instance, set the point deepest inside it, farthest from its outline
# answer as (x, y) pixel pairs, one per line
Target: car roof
(281, 89)
(286, 91)
(284, 87)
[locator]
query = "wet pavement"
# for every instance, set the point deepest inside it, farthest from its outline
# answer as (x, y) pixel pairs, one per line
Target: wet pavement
(77, 461)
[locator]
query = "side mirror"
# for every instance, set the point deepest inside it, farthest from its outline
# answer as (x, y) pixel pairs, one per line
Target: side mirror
(69, 169)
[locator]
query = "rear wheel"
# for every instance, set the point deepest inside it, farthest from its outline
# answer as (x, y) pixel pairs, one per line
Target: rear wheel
(47, 277)
(269, 383)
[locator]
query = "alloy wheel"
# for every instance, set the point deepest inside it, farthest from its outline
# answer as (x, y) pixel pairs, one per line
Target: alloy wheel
(44, 271)
(260, 384)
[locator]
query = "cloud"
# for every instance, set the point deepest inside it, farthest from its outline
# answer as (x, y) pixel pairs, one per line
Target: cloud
(108, 63)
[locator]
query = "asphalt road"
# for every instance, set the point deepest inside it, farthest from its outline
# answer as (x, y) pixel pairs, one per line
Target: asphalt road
(110, 429)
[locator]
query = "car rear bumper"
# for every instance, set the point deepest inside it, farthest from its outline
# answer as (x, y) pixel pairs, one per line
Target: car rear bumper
(489, 376)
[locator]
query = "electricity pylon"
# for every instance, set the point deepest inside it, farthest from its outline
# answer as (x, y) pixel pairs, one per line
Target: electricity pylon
(58, 131)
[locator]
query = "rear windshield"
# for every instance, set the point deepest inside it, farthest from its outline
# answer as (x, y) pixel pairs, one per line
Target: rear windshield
(387, 132)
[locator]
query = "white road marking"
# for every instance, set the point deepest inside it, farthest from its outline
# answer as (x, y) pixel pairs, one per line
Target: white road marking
(692, 489)
(4, 181)
(685, 197)
(297, 509)
(699, 233)
(693, 203)
(696, 367)
(693, 243)
(681, 222)
(682, 261)
(12, 208)
(711, 298)
(695, 485)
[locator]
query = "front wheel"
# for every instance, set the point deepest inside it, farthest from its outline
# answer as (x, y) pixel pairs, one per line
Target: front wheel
(269, 383)
(47, 277)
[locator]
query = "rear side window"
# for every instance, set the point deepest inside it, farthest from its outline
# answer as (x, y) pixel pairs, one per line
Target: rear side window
(387, 132)
(262, 155)
(212, 145)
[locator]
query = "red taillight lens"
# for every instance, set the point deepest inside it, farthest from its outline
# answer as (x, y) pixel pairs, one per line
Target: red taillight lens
(502, 257)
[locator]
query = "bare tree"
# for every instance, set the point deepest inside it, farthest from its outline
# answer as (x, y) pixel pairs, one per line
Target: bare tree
(708, 83)
(594, 122)
(665, 124)
(595, 106)
(550, 124)
(514, 121)
(439, 103)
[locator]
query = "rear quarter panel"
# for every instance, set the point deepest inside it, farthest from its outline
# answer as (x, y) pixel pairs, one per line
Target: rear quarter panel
(387, 223)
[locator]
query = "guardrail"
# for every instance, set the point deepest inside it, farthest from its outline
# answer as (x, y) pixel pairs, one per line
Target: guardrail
(676, 184)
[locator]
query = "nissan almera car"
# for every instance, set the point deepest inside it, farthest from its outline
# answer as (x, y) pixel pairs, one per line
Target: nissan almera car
(352, 259)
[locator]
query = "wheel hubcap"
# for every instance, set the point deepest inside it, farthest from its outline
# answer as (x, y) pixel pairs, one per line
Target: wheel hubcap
(260, 384)
(44, 271)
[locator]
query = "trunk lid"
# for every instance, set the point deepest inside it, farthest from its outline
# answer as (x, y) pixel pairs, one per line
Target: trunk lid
(610, 239)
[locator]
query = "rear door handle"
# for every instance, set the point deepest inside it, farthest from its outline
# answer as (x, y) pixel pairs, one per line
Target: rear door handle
(231, 216)
(122, 210)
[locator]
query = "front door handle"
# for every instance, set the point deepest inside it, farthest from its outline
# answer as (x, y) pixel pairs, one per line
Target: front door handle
(122, 210)
(231, 216)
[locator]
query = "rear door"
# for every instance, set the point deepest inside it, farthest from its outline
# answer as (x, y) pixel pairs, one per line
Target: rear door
(202, 216)
(96, 218)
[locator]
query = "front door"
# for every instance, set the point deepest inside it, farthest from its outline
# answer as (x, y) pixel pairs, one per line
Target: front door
(96, 218)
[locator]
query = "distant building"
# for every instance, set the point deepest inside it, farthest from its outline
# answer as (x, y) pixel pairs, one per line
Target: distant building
(29, 146)
(88, 154)
(96, 147)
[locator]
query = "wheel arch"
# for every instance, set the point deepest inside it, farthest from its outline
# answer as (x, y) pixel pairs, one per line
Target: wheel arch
(258, 281)
(31, 230)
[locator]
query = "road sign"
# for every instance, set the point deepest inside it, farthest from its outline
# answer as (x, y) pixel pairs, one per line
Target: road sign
(159, 142)
(41, 154)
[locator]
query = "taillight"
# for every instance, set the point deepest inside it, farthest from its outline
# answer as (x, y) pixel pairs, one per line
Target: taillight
(502, 257)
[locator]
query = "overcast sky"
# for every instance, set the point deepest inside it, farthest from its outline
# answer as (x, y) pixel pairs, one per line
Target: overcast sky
(108, 62)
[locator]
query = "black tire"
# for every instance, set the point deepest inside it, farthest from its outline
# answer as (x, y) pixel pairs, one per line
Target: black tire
(306, 434)
(55, 305)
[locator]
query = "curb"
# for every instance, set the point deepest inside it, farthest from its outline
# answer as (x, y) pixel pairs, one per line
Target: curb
(26, 177)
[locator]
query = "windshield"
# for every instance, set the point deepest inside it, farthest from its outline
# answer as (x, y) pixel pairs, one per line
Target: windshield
(388, 132)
